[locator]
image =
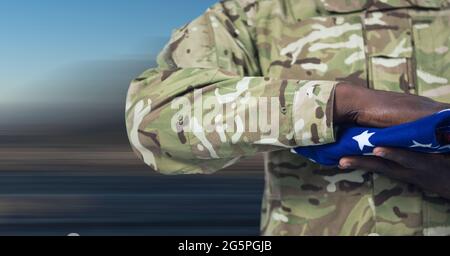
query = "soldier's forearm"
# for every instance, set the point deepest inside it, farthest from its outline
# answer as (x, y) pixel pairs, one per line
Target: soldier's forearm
(178, 119)
(363, 106)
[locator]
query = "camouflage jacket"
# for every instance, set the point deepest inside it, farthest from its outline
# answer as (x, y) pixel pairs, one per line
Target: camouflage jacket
(292, 53)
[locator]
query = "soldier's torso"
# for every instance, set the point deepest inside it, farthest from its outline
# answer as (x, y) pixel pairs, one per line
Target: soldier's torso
(390, 45)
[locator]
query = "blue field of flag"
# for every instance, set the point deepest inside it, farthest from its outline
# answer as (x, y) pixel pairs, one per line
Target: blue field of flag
(421, 136)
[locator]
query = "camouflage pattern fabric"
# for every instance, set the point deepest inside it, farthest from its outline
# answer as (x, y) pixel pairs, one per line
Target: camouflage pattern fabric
(294, 51)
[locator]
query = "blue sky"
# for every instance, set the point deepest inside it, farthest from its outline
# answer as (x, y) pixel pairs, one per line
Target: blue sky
(39, 39)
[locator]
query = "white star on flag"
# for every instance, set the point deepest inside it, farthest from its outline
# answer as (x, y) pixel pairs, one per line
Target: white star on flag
(444, 147)
(420, 145)
(363, 140)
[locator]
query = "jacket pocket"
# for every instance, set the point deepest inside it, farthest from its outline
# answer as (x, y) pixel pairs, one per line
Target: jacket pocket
(432, 43)
(389, 47)
(391, 74)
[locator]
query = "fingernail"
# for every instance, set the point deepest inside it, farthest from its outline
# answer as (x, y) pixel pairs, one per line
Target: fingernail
(344, 166)
(380, 153)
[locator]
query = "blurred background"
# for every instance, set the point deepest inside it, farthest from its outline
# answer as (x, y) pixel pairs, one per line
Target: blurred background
(65, 162)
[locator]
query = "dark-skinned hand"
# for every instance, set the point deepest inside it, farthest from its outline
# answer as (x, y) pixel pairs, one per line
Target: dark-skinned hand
(365, 107)
(428, 171)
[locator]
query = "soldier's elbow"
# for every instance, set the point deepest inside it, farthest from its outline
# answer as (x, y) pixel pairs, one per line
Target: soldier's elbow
(156, 143)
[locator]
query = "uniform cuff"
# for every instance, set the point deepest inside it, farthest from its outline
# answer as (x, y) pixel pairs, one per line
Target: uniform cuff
(312, 113)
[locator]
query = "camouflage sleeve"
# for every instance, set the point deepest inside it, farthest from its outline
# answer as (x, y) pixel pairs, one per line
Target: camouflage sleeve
(205, 106)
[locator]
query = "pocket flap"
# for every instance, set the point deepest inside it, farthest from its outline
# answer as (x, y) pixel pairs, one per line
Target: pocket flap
(347, 6)
(388, 34)
(344, 6)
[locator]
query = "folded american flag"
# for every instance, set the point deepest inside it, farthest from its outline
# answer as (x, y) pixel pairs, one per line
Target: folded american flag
(429, 135)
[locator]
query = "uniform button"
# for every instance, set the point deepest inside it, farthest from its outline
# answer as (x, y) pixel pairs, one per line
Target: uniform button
(181, 120)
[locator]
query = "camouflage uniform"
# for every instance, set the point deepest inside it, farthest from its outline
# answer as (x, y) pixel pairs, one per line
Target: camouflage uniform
(296, 51)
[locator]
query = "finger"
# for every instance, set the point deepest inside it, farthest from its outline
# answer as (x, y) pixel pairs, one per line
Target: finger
(381, 166)
(364, 162)
(408, 159)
